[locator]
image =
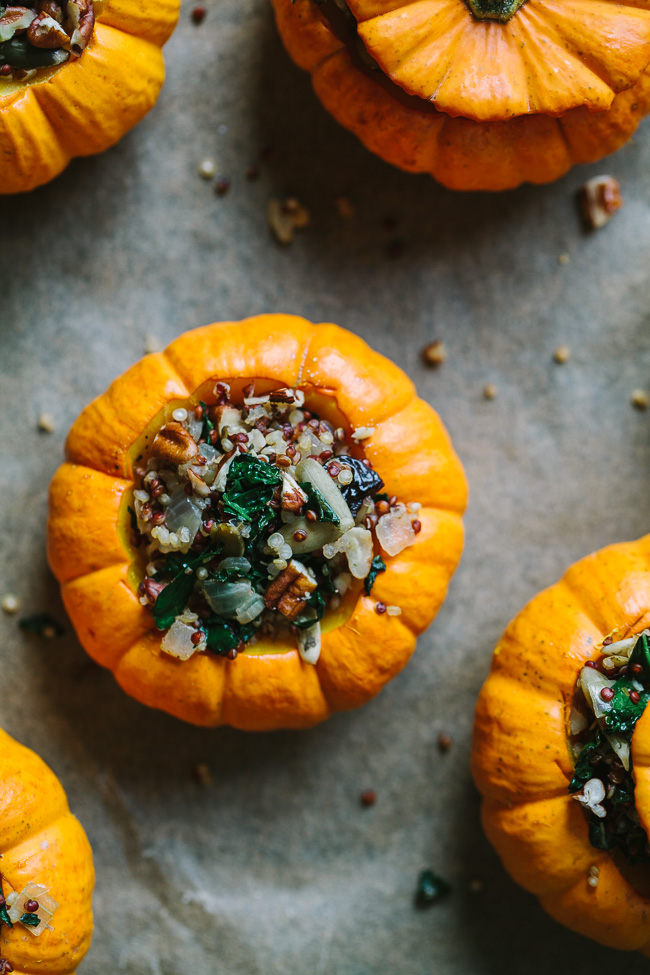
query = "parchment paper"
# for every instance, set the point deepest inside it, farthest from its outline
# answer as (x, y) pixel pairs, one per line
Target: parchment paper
(274, 868)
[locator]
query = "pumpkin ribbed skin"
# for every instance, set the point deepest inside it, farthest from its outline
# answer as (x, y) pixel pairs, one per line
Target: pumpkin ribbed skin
(409, 449)
(458, 150)
(86, 105)
(520, 756)
(42, 842)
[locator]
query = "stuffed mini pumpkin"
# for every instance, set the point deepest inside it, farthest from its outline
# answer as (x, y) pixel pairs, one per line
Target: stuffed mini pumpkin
(75, 76)
(481, 94)
(253, 526)
(46, 870)
(561, 749)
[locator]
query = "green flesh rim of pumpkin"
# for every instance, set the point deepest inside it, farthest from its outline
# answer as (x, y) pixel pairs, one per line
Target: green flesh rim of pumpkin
(254, 518)
(610, 697)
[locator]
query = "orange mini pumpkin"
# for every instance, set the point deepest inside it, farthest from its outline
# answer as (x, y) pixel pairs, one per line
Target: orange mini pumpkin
(88, 103)
(523, 763)
(44, 854)
(271, 686)
(483, 94)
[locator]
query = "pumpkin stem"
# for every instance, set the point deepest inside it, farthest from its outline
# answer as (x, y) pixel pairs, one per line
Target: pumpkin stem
(501, 10)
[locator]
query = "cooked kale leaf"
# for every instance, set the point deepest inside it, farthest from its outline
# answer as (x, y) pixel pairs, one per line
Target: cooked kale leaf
(173, 598)
(376, 566)
(318, 504)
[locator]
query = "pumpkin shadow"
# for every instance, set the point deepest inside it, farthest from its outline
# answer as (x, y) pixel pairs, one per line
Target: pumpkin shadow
(85, 199)
(505, 925)
(147, 750)
(399, 217)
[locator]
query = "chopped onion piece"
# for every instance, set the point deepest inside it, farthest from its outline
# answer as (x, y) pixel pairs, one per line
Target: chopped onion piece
(319, 533)
(32, 892)
(623, 648)
(395, 531)
(592, 683)
(183, 512)
(250, 610)
(227, 598)
(177, 641)
(578, 721)
(235, 564)
(313, 473)
(219, 483)
(622, 749)
(309, 643)
(358, 549)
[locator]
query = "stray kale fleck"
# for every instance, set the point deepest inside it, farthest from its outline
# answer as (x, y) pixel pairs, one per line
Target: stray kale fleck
(430, 889)
(378, 565)
(42, 625)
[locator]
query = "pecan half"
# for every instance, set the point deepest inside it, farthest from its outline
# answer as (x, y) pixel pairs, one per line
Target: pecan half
(174, 444)
(15, 20)
(293, 497)
(79, 23)
(290, 590)
(44, 32)
(51, 8)
(599, 198)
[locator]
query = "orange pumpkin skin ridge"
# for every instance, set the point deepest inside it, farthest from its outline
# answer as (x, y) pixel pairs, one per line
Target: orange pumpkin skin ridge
(459, 152)
(88, 104)
(520, 757)
(270, 690)
(42, 842)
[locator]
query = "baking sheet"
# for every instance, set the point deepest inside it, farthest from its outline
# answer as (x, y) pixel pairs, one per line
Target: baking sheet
(274, 867)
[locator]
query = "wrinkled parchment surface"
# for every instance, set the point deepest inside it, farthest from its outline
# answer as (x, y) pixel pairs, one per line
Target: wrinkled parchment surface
(274, 868)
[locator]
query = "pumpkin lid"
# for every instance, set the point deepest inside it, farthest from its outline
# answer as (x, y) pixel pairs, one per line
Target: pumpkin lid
(491, 60)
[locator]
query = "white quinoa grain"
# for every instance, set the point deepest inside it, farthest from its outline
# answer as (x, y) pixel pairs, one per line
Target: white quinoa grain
(10, 603)
(207, 169)
(394, 610)
(202, 573)
(562, 354)
(345, 477)
(640, 399)
(152, 344)
(490, 391)
(226, 445)
(563, 259)
(180, 415)
(46, 423)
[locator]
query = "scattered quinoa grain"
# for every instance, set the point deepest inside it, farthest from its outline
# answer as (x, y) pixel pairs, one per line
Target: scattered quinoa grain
(490, 391)
(562, 354)
(380, 608)
(368, 797)
(152, 344)
(46, 423)
(207, 168)
(198, 15)
(222, 185)
(444, 741)
(563, 259)
(393, 611)
(435, 353)
(10, 603)
(640, 399)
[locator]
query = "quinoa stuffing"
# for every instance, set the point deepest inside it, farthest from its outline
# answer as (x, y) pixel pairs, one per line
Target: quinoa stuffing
(42, 34)
(611, 695)
(257, 518)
